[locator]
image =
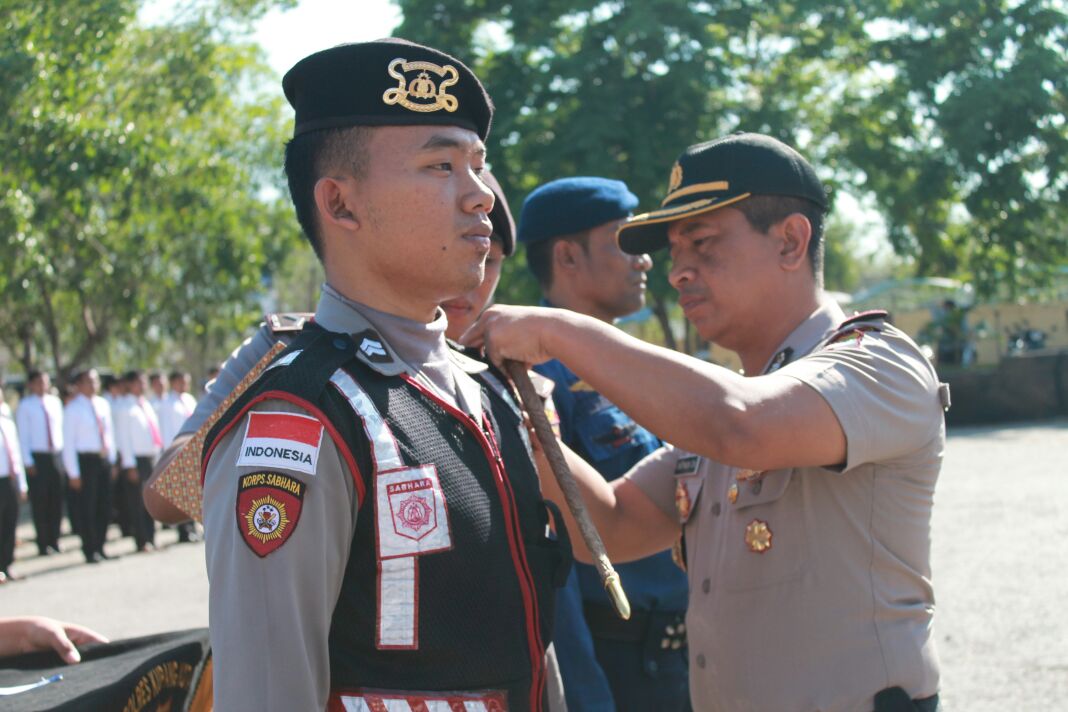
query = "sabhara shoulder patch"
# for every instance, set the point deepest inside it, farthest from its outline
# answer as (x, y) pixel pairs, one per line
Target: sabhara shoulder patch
(268, 509)
(287, 440)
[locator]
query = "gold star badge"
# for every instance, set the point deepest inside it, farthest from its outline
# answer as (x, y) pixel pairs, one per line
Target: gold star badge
(732, 493)
(758, 536)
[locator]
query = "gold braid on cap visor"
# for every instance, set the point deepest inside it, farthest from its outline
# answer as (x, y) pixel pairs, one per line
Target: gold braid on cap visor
(681, 211)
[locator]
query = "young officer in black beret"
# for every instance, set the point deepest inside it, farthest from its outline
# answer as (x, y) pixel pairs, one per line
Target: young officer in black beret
(375, 530)
(804, 492)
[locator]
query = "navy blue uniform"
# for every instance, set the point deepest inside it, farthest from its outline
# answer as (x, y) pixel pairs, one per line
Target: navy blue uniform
(642, 661)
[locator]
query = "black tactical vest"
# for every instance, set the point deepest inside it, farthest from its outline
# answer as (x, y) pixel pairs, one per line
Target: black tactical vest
(482, 599)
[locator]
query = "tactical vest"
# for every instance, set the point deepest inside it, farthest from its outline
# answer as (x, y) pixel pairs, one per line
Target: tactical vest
(451, 578)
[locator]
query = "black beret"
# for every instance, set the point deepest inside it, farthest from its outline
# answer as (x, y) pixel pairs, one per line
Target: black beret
(570, 205)
(720, 172)
(389, 82)
(501, 215)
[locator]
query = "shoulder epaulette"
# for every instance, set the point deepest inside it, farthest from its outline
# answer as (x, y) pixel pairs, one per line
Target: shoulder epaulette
(864, 316)
(856, 326)
(286, 322)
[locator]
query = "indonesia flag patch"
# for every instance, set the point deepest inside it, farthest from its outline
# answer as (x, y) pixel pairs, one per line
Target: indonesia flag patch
(287, 440)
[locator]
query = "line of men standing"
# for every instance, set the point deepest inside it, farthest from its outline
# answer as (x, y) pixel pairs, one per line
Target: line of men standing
(91, 454)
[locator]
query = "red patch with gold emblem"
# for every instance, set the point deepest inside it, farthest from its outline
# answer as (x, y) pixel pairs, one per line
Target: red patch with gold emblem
(268, 509)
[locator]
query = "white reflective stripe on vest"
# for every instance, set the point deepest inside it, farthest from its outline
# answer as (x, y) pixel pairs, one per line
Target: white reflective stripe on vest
(383, 446)
(397, 614)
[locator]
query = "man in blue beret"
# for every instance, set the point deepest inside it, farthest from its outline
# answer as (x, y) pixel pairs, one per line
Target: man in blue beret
(376, 536)
(569, 229)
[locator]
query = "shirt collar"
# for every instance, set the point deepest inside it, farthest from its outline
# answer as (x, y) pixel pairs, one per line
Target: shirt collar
(808, 334)
(341, 315)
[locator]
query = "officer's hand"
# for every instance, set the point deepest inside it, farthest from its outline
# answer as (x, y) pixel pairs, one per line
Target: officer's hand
(31, 470)
(131, 475)
(508, 332)
(75, 485)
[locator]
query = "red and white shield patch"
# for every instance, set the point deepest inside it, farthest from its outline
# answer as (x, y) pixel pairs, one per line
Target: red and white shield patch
(412, 517)
(268, 509)
(412, 504)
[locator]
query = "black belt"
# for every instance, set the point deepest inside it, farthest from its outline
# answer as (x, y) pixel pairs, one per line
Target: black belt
(668, 626)
(895, 699)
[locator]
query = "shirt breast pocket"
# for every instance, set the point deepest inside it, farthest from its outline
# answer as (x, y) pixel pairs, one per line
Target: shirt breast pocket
(766, 542)
(608, 432)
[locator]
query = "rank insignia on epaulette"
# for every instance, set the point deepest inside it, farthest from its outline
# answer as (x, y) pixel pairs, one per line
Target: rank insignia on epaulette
(758, 536)
(370, 345)
(286, 323)
(852, 337)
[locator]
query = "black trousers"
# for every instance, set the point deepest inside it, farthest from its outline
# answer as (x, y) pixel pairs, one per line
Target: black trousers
(46, 498)
(141, 522)
(9, 519)
(95, 499)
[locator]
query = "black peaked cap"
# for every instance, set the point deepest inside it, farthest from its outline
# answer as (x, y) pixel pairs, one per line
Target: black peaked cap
(711, 175)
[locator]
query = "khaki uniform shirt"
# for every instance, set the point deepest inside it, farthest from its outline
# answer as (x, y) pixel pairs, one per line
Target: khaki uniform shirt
(810, 588)
(270, 617)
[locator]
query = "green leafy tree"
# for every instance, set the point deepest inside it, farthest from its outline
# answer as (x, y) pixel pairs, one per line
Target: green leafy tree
(133, 208)
(950, 116)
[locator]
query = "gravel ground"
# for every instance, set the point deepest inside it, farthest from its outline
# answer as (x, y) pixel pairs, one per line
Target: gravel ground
(1000, 570)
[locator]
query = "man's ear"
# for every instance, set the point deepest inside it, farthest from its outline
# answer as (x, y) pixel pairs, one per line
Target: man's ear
(566, 254)
(795, 234)
(334, 198)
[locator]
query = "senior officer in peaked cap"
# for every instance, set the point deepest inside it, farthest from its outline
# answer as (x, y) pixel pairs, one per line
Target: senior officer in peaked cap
(802, 490)
(376, 535)
(568, 227)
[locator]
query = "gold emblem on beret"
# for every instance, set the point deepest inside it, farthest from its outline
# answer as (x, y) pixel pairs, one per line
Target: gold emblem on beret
(676, 177)
(758, 536)
(732, 493)
(682, 501)
(426, 92)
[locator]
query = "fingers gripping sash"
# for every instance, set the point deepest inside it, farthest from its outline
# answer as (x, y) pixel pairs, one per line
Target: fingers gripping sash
(410, 520)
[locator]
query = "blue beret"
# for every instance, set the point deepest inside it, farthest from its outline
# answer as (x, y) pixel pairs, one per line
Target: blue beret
(570, 205)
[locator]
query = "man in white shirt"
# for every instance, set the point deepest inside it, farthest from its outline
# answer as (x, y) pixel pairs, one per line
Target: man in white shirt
(176, 406)
(175, 409)
(157, 391)
(140, 444)
(12, 489)
(39, 418)
(88, 455)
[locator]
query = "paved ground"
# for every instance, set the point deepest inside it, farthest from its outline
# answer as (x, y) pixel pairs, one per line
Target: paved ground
(1000, 562)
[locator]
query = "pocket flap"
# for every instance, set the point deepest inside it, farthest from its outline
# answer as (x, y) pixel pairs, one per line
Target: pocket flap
(763, 488)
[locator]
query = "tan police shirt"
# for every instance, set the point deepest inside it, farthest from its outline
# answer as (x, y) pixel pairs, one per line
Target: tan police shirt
(270, 616)
(810, 588)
